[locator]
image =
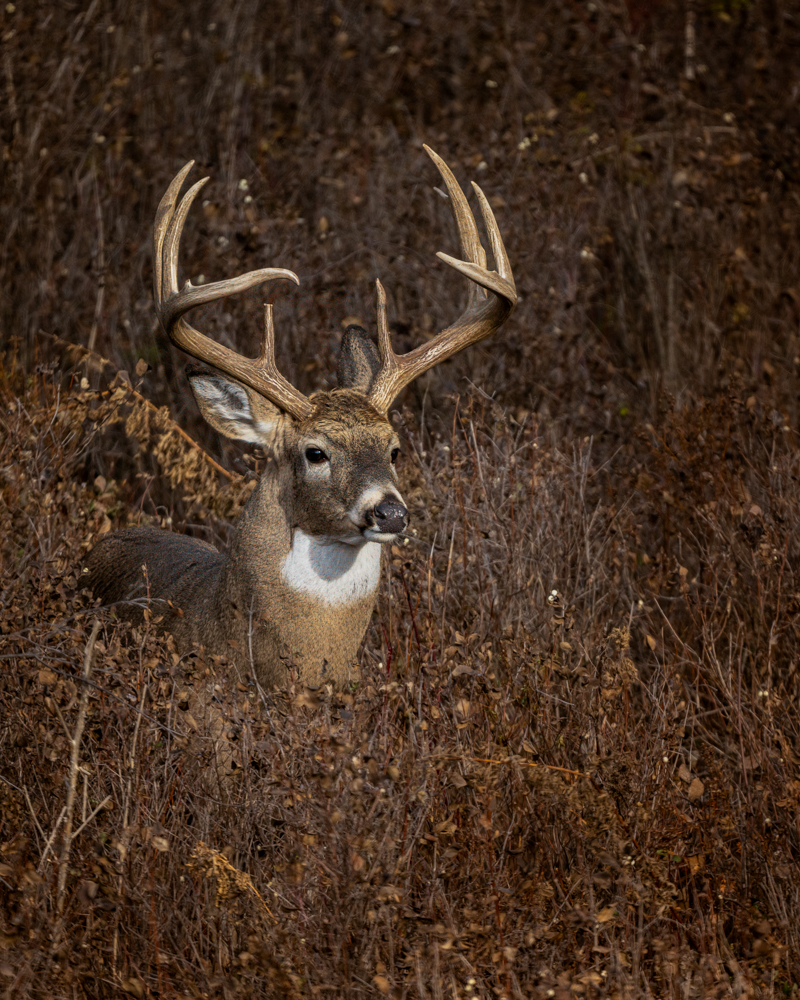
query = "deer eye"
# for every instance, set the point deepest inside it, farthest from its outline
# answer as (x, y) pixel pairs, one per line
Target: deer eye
(316, 456)
(395, 455)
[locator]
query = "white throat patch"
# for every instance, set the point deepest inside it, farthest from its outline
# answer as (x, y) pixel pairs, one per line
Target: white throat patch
(332, 571)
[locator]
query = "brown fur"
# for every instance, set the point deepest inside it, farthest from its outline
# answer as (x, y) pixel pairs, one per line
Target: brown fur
(342, 409)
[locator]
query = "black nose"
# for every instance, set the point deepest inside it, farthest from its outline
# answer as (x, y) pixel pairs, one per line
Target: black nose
(391, 517)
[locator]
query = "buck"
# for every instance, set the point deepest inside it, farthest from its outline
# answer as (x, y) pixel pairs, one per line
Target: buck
(297, 588)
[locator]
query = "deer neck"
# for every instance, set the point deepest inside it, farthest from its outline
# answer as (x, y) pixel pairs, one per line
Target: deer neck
(270, 552)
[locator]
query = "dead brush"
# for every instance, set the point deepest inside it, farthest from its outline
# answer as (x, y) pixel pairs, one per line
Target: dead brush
(552, 774)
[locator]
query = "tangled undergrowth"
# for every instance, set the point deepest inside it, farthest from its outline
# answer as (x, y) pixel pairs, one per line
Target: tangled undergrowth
(571, 766)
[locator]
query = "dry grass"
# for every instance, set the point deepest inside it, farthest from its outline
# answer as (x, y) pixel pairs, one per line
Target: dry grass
(572, 764)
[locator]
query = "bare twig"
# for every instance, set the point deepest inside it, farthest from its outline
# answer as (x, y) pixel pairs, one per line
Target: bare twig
(73, 768)
(48, 846)
(101, 265)
(689, 44)
(92, 815)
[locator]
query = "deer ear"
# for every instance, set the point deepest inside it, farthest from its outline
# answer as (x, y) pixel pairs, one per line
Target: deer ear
(359, 361)
(233, 409)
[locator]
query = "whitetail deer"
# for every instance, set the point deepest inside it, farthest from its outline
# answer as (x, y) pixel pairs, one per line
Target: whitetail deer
(298, 587)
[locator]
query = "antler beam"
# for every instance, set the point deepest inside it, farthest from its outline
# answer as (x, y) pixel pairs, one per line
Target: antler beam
(173, 303)
(492, 296)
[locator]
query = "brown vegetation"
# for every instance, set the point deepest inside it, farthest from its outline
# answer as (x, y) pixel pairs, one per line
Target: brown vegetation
(572, 766)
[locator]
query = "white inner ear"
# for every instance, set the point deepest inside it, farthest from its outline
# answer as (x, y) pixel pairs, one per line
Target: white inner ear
(226, 406)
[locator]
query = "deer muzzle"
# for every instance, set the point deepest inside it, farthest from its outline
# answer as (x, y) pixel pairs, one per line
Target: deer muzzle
(389, 517)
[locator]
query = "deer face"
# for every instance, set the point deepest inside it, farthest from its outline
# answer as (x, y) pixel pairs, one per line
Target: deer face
(341, 458)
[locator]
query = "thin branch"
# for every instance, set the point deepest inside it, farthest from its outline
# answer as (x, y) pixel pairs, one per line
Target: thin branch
(91, 816)
(85, 353)
(74, 767)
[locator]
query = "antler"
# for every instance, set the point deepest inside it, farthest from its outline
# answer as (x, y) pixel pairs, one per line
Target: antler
(260, 374)
(492, 296)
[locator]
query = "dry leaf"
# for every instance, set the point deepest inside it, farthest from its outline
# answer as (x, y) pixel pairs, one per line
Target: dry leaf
(606, 914)
(651, 642)
(696, 863)
(307, 699)
(382, 983)
(684, 773)
(696, 790)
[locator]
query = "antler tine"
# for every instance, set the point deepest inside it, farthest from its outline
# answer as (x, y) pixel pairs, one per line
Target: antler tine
(385, 351)
(492, 296)
(465, 220)
(172, 303)
(501, 260)
(164, 213)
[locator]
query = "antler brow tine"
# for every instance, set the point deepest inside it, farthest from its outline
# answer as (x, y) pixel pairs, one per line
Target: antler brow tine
(172, 303)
